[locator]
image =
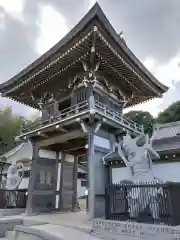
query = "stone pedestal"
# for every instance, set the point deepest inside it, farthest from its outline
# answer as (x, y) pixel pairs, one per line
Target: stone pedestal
(98, 176)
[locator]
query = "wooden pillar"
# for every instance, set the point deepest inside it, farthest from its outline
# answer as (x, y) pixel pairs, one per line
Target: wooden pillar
(32, 181)
(75, 175)
(67, 182)
(61, 183)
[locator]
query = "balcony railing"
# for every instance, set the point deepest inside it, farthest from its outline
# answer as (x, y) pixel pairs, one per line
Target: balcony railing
(60, 116)
(118, 117)
(83, 107)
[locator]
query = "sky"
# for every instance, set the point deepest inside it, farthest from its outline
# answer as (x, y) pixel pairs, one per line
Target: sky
(28, 28)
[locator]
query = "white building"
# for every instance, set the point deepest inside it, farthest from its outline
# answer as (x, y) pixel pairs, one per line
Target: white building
(23, 153)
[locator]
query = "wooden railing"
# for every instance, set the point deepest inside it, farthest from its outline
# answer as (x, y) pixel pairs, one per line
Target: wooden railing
(83, 106)
(61, 115)
(118, 117)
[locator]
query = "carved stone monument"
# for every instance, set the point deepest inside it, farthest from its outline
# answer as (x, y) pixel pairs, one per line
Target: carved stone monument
(12, 182)
(137, 154)
(13, 177)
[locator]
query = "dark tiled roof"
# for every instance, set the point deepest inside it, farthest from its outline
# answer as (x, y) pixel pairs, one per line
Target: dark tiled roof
(167, 130)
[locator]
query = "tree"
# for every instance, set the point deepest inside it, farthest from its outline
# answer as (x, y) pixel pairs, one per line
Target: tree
(170, 114)
(10, 127)
(143, 118)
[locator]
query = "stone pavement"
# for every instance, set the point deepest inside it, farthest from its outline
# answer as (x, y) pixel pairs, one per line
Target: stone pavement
(56, 232)
(71, 225)
(62, 226)
(70, 219)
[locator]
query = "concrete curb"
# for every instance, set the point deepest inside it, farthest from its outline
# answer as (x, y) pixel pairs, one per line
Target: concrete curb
(36, 232)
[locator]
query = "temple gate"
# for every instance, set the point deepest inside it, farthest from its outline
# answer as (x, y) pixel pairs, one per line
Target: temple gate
(81, 86)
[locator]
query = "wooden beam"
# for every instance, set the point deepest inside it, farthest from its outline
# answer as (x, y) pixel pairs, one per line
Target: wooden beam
(93, 48)
(61, 138)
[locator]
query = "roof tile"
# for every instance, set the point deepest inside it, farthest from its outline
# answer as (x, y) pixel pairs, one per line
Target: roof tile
(166, 130)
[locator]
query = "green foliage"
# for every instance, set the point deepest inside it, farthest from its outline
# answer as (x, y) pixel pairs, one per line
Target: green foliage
(143, 118)
(170, 114)
(10, 126)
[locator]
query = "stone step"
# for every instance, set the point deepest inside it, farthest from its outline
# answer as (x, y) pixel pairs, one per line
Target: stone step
(8, 224)
(31, 222)
(10, 235)
(50, 231)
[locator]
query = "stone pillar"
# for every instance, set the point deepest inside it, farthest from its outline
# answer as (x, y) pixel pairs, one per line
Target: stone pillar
(90, 175)
(98, 176)
(75, 175)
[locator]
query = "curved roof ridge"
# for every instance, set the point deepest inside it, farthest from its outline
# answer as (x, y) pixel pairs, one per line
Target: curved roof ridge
(168, 124)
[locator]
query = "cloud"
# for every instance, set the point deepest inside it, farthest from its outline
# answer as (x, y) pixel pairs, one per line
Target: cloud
(167, 73)
(71, 10)
(52, 26)
(17, 40)
(150, 26)
(13, 7)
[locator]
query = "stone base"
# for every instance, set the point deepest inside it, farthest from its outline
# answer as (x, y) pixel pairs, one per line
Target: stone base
(8, 224)
(115, 229)
(11, 212)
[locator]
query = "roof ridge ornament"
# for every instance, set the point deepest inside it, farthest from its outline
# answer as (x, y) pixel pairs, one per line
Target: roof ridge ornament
(122, 38)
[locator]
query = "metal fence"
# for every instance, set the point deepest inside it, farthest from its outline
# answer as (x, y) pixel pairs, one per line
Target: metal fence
(13, 198)
(148, 203)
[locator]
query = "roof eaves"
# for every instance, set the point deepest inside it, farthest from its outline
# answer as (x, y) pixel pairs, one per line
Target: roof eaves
(12, 151)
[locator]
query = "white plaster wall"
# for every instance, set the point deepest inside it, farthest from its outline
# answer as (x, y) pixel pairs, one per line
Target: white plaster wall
(47, 154)
(24, 184)
(69, 158)
(80, 190)
(101, 142)
(58, 177)
(165, 171)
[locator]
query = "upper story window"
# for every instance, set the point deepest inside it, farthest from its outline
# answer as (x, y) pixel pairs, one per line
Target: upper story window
(66, 103)
(80, 95)
(115, 106)
(49, 111)
(98, 97)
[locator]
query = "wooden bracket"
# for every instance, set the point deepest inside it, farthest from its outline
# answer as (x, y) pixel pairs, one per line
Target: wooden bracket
(90, 128)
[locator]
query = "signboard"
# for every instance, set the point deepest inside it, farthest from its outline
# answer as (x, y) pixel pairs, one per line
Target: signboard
(101, 142)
